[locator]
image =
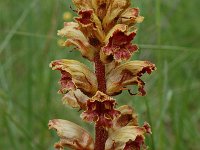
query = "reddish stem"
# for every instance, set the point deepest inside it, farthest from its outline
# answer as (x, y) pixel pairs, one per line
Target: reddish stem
(101, 133)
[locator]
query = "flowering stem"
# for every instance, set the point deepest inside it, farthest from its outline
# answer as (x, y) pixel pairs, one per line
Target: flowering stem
(101, 134)
(100, 73)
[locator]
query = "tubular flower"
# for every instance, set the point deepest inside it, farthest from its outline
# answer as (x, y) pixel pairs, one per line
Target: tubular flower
(77, 38)
(125, 133)
(102, 32)
(75, 75)
(91, 27)
(99, 103)
(118, 44)
(72, 135)
(128, 74)
(115, 8)
(101, 7)
(128, 137)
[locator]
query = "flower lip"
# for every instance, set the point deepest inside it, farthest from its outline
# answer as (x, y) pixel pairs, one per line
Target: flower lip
(66, 82)
(120, 46)
(118, 43)
(85, 16)
(100, 108)
(120, 38)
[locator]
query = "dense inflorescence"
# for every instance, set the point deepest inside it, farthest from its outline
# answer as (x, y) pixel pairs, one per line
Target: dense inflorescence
(102, 32)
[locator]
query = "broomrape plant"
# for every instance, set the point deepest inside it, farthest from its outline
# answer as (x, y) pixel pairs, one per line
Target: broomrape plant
(102, 32)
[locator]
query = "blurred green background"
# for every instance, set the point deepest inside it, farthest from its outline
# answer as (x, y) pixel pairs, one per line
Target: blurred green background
(169, 37)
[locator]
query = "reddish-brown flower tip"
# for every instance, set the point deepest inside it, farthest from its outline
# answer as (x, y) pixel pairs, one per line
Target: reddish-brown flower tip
(118, 44)
(130, 17)
(147, 127)
(137, 144)
(66, 82)
(85, 17)
(100, 108)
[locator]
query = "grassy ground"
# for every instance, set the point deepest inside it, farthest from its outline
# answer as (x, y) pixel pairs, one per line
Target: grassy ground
(169, 37)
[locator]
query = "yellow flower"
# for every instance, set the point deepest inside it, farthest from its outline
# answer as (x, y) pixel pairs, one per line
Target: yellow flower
(61, 42)
(67, 16)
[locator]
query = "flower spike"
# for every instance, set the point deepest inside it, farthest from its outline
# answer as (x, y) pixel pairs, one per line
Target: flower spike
(102, 31)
